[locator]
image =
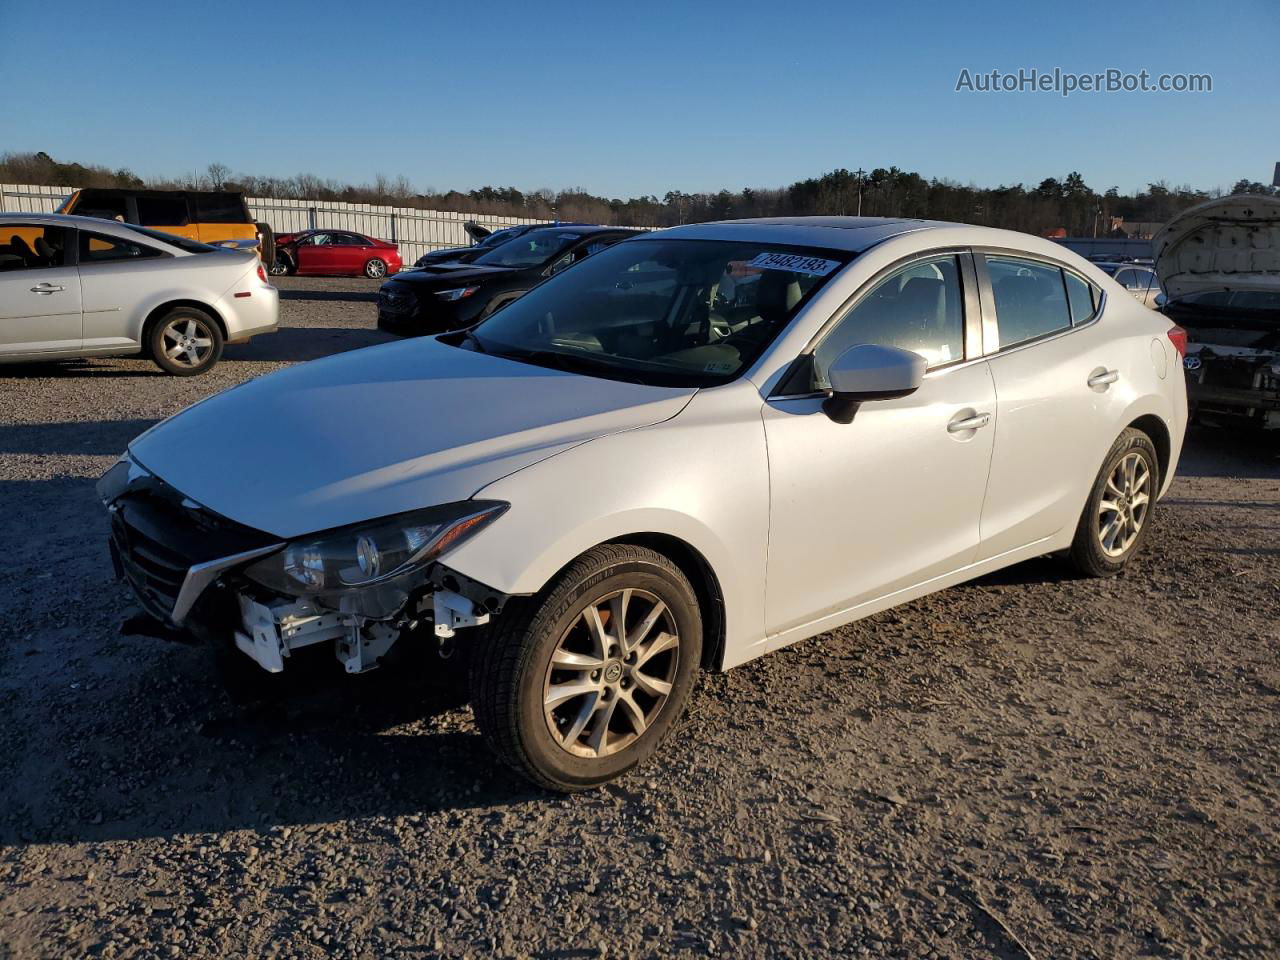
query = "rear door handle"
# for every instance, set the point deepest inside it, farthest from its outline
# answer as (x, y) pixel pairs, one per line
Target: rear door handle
(969, 423)
(47, 288)
(1104, 379)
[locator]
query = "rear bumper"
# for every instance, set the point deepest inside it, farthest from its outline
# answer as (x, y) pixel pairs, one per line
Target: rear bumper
(252, 315)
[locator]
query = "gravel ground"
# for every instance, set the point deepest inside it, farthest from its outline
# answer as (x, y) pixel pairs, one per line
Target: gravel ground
(1028, 765)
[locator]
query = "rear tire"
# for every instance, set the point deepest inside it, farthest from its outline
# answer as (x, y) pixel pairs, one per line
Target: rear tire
(634, 683)
(1118, 514)
(185, 342)
(375, 269)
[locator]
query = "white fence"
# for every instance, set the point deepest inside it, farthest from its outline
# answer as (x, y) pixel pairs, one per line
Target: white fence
(415, 231)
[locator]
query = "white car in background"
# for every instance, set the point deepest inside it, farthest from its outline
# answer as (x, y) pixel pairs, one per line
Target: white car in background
(1141, 281)
(610, 484)
(84, 287)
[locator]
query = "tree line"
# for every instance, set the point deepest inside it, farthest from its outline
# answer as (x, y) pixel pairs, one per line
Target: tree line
(1054, 204)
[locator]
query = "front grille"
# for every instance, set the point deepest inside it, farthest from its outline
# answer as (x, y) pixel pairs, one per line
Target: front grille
(396, 301)
(154, 571)
(158, 536)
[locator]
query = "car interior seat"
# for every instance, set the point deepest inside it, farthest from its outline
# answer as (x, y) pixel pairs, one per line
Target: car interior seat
(22, 249)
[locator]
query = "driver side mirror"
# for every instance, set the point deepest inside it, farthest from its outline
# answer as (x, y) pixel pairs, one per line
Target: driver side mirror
(869, 371)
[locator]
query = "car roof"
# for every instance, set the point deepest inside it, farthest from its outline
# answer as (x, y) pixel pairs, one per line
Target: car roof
(70, 220)
(854, 234)
(586, 229)
(858, 234)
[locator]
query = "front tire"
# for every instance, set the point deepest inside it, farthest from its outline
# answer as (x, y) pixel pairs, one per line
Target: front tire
(566, 697)
(375, 269)
(185, 342)
(1117, 516)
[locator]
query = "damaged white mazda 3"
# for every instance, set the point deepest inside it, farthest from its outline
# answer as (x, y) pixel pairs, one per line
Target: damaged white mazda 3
(695, 447)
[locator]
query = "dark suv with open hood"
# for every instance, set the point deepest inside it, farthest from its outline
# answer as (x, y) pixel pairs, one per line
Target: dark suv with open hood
(449, 296)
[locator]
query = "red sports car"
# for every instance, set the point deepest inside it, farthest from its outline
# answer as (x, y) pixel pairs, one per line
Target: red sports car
(336, 253)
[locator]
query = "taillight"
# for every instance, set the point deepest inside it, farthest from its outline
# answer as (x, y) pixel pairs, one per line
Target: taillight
(1178, 337)
(262, 273)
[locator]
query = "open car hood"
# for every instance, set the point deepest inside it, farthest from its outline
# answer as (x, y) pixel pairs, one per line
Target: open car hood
(383, 430)
(1232, 243)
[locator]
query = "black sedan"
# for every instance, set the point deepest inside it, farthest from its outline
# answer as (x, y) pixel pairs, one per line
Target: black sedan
(449, 296)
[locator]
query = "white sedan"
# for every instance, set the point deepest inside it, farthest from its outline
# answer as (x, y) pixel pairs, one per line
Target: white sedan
(84, 287)
(696, 447)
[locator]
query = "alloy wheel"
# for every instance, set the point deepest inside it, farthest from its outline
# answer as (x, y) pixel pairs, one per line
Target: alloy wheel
(375, 269)
(1126, 499)
(611, 673)
(186, 341)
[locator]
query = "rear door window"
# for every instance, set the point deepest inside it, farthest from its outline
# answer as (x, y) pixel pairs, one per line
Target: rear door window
(1030, 299)
(165, 210)
(220, 208)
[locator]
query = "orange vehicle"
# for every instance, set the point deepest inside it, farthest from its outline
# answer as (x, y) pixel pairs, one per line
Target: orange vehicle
(217, 217)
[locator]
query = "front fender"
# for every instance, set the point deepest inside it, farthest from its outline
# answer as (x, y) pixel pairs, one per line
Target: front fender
(701, 477)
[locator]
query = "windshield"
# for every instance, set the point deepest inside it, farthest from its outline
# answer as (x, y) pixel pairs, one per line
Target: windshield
(663, 312)
(531, 250)
(182, 243)
(499, 237)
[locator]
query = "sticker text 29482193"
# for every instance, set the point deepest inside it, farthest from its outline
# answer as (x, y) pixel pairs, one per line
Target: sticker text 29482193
(794, 262)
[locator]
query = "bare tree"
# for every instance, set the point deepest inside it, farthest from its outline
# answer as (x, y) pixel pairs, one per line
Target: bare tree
(219, 174)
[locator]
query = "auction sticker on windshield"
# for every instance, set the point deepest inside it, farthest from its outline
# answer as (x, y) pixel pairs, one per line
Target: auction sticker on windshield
(795, 263)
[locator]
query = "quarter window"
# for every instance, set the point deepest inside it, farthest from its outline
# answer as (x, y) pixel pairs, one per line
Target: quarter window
(1080, 295)
(96, 248)
(1030, 299)
(918, 308)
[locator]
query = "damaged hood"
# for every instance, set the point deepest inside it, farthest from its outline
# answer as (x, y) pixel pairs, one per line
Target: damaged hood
(1232, 243)
(383, 430)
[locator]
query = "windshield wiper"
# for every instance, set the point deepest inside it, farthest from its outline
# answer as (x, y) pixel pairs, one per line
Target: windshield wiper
(575, 363)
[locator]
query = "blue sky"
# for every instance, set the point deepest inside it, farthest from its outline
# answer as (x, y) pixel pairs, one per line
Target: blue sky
(629, 98)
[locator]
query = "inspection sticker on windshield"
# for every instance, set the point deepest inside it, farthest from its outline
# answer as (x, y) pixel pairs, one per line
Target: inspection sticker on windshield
(794, 262)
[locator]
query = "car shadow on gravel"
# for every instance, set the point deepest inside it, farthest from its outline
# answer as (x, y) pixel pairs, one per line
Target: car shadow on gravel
(303, 749)
(91, 437)
(1211, 452)
(79, 368)
(342, 296)
(296, 344)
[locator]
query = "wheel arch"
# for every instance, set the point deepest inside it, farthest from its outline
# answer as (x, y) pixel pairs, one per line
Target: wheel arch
(159, 311)
(1158, 431)
(706, 586)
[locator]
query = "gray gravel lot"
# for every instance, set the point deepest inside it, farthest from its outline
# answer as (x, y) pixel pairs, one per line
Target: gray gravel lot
(1027, 765)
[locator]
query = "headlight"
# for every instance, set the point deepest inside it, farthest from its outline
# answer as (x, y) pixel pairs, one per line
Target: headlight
(457, 294)
(363, 555)
(116, 480)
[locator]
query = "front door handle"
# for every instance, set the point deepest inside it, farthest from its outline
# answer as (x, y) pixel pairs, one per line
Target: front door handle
(47, 288)
(1104, 379)
(969, 423)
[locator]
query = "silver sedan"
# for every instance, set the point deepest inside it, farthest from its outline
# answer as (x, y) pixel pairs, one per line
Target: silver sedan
(83, 287)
